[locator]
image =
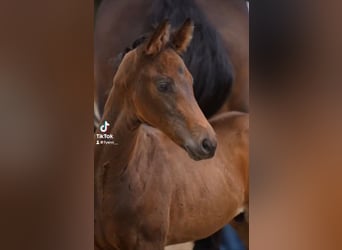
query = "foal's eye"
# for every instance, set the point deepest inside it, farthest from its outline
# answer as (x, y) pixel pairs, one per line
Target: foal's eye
(164, 87)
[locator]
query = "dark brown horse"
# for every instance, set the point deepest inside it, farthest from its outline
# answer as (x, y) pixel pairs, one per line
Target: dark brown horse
(169, 178)
(217, 58)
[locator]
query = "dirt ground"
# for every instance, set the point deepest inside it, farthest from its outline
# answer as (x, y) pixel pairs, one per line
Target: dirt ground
(184, 246)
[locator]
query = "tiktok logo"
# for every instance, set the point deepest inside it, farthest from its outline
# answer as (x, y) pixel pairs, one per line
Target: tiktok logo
(104, 127)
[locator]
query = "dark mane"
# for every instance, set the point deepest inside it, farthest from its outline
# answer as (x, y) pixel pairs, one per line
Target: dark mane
(206, 57)
(134, 45)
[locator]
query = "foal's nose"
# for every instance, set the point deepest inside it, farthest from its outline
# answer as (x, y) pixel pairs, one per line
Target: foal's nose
(208, 146)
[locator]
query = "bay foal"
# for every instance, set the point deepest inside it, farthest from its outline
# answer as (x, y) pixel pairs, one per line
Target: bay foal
(169, 178)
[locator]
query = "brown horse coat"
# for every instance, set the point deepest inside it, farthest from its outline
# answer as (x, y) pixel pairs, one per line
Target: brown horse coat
(148, 191)
(161, 196)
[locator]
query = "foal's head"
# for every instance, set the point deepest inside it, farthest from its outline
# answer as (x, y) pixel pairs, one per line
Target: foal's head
(158, 88)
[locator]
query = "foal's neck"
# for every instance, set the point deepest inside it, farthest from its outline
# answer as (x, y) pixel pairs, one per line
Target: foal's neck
(124, 124)
(111, 161)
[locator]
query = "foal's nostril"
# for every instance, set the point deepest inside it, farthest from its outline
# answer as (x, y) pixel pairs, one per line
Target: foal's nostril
(208, 146)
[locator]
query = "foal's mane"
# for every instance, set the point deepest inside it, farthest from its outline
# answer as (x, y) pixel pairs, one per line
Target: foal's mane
(140, 40)
(206, 57)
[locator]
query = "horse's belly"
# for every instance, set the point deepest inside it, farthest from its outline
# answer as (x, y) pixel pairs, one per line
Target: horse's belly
(201, 217)
(199, 228)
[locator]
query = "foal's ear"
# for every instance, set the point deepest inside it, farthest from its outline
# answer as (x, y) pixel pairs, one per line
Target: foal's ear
(183, 36)
(159, 39)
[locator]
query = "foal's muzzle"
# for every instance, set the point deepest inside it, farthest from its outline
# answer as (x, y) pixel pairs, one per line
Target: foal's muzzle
(208, 147)
(204, 149)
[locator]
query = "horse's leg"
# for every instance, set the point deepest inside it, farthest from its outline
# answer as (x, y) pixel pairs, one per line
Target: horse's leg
(148, 238)
(149, 245)
(210, 243)
(242, 229)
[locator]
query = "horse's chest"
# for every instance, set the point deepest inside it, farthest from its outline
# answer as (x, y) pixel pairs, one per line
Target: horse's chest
(142, 188)
(139, 204)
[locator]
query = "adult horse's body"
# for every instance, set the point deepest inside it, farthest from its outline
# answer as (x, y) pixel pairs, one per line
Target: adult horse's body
(217, 57)
(148, 191)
